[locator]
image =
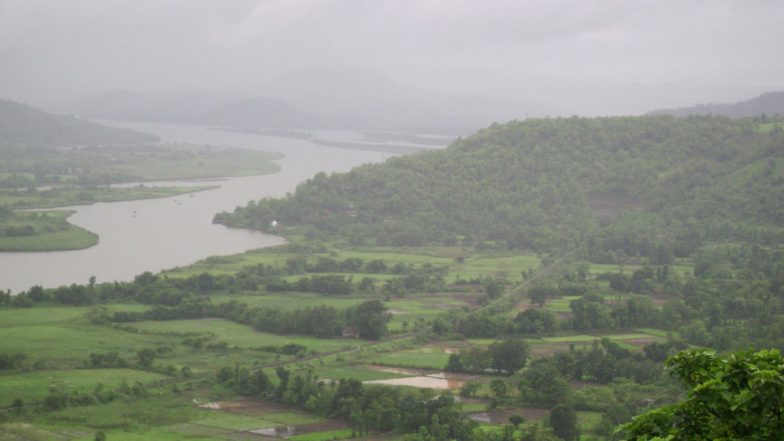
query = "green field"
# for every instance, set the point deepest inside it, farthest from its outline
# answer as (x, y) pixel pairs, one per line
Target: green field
(226, 420)
(61, 337)
(429, 357)
(601, 268)
(235, 334)
(560, 304)
(183, 161)
(33, 386)
(323, 436)
(475, 264)
(67, 196)
(46, 231)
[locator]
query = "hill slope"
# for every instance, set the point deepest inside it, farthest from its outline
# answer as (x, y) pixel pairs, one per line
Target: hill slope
(771, 103)
(613, 187)
(24, 125)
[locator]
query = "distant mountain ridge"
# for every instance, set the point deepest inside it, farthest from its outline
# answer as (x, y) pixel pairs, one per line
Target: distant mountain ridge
(771, 103)
(21, 124)
(132, 105)
(312, 98)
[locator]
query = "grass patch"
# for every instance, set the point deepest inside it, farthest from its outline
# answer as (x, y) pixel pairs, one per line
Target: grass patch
(323, 436)
(292, 418)
(424, 357)
(43, 231)
(653, 332)
(235, 334)
(587, 421)
(32, 386)
(227, 420)
(570, 338)
(67, 196)
(560, 304)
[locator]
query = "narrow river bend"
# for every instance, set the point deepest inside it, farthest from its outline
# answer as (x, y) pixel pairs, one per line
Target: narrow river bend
(152, 235)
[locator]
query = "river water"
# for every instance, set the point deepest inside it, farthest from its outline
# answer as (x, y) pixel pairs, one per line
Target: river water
(156, 234)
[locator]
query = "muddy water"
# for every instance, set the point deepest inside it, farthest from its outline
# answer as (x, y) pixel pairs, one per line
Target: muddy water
(152, 235)
(436, 381)
(300, 429)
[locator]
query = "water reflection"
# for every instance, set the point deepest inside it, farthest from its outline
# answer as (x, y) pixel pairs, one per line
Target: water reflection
(436, 381)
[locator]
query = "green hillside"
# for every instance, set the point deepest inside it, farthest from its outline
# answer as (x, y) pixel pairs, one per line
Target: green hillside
(654, 186)
(23, 125)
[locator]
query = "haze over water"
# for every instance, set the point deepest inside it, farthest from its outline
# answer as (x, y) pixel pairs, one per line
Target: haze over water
(156, 234)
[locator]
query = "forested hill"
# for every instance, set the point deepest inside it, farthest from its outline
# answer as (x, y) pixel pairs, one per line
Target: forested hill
(771, 103)
(653, 186)
(24, 125)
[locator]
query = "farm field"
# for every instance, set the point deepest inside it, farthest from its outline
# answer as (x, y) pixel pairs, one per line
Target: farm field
(243, 336)
(189, 352)
(464, 263)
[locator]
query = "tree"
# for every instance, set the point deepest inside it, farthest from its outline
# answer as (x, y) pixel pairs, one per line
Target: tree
(542, 384)
(563, 420)
(535, 321)
(499, 387)
(146, 357)
(18, 406)
(469, 388)
(739, 396)
(508, 355)
(371, 319)
(516, 420)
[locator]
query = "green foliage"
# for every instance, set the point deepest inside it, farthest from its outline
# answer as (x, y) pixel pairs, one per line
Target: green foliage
(739, 396)
(650, 187)
(563, 420)
(506, 356)
(43, 231)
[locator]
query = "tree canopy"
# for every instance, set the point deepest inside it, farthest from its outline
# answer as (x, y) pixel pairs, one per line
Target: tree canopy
(739, 396)
(657, 187)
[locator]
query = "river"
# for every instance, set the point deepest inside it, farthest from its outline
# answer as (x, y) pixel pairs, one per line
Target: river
(156, 234)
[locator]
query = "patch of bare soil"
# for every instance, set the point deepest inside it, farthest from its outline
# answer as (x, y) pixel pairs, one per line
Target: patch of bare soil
(246, 407)
(641, 341)
(578, 384)
(607, 206)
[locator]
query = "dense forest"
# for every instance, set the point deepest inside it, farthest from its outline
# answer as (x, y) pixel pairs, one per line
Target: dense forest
(613, 189)
(21, 125)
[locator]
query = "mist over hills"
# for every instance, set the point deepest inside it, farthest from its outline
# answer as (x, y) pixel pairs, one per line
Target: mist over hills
(21, 124)
(771, 103)
(353, 99)
(132, 105)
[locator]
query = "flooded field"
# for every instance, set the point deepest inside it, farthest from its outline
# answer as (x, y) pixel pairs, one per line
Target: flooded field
(301, 429)
(440, 380)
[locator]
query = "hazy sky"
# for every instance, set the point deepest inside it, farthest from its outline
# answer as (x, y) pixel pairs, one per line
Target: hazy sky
(57, 50)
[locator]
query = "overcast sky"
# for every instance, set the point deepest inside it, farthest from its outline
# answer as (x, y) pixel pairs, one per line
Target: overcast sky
(57, 50)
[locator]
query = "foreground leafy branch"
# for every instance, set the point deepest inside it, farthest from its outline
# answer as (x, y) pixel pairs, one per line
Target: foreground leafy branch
(739, 396)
